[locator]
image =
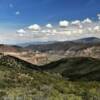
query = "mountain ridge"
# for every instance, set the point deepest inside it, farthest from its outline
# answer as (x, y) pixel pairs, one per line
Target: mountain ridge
(58, 46)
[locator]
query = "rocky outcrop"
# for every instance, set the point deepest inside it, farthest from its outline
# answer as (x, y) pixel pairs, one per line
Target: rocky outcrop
(88, 52)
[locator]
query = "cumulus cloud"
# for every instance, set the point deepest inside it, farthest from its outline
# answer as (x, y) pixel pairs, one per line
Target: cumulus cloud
(76, 22)
(49, 26)
(63, 23)
(21, 31)
(64, 31)
(87, 20)
(34, 27)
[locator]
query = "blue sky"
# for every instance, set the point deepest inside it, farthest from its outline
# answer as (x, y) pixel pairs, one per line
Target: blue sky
(18, 14)
(44, 11)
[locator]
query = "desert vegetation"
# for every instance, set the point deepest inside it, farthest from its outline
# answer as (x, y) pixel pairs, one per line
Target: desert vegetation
(17, 81)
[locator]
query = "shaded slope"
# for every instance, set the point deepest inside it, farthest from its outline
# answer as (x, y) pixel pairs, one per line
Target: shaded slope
(76, 68)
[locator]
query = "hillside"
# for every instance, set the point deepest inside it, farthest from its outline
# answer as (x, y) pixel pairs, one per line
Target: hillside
(19, 79)
(81, 68)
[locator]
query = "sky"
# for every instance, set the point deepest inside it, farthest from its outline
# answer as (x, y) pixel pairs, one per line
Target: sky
(48, 20)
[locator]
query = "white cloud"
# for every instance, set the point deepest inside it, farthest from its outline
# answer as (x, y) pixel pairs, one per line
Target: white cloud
(63, 23)
(49, 26)
(34, 27)
(43, 31)
(21, 31)
(76, 22)
(87, 20)
(17, 12)
(65, 30)
(46, 31)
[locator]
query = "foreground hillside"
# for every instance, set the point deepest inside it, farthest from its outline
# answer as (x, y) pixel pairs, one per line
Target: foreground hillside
(80, 68)
(19, 79)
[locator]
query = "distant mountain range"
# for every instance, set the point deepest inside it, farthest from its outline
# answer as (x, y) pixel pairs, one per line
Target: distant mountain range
(52, 45)
(34, 43)
(88, 40)
(57, 46)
